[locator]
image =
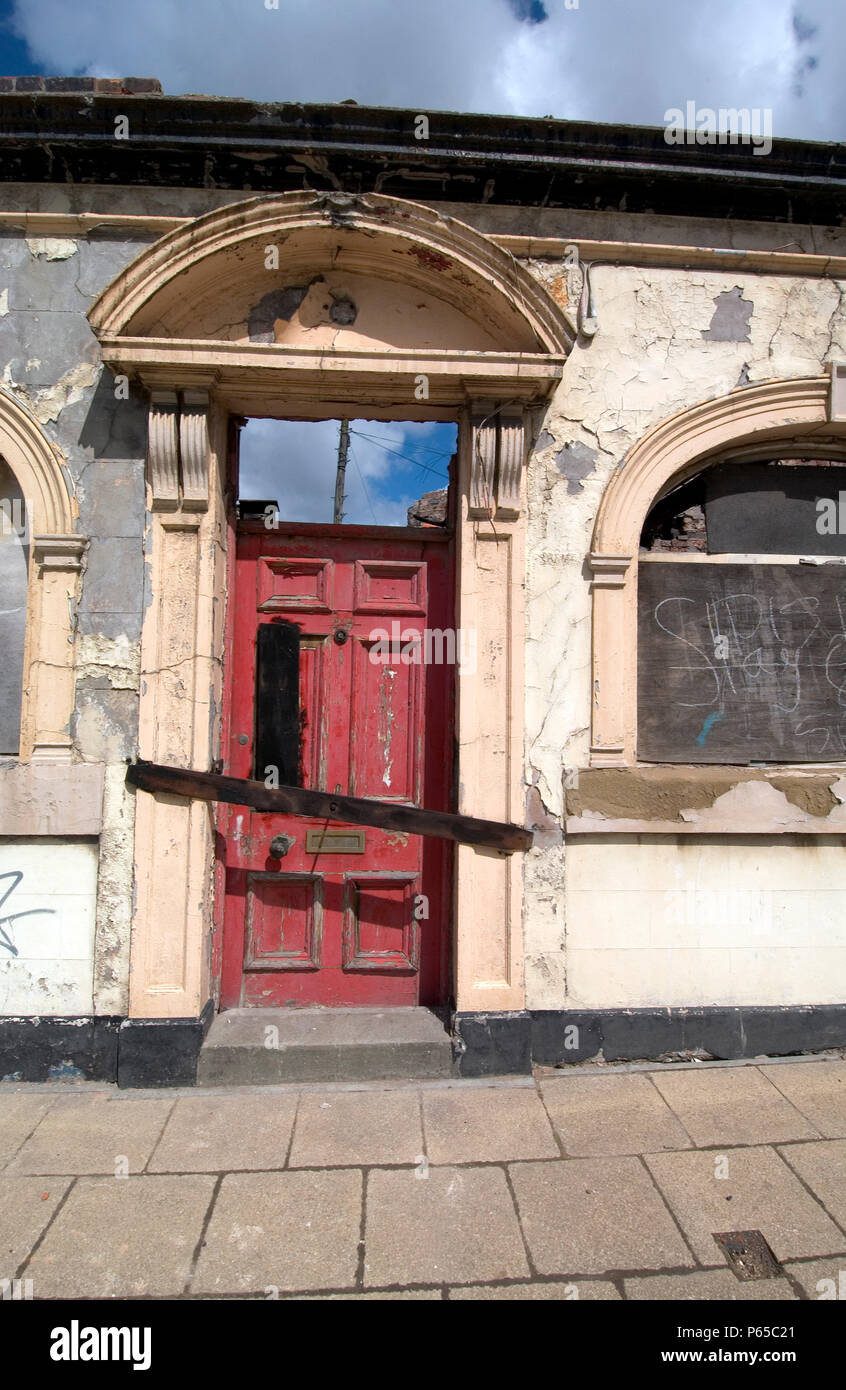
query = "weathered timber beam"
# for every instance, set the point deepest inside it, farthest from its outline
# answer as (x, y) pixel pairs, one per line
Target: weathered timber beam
(295, 801)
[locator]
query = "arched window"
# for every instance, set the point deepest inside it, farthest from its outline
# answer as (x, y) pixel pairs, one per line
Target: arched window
(742, 615)
(742, 491)
(14, 567)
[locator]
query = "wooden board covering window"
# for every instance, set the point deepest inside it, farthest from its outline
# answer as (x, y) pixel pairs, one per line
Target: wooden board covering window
(741, 663)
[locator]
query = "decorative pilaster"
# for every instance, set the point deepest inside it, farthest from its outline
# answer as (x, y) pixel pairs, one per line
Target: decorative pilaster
(512, 455)
(612, 612)
(163, 450)
(482, 465)
(57, 561)
(181, 646)
(496, 465)
(489, 732)
(178, 450)
(194, 449)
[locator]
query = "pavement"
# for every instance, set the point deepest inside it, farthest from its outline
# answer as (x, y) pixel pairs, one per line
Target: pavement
(600, 1183)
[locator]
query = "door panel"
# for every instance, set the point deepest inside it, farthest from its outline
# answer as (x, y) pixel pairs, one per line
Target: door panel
(347, 915)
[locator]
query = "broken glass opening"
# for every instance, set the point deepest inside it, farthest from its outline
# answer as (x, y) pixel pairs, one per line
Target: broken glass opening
(773, 507)
(360, 472)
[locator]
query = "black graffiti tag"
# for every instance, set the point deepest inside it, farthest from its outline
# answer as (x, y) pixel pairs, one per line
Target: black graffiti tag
(6, 921)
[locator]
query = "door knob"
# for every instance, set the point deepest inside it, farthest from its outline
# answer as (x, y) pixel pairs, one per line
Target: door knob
(279, 846)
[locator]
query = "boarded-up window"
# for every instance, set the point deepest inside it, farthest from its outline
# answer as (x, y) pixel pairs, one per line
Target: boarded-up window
(743, 659)
(14, 561)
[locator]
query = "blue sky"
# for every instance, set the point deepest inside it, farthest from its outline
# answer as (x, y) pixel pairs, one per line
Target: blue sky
(620, 61)
(15, 58)
(390, 464)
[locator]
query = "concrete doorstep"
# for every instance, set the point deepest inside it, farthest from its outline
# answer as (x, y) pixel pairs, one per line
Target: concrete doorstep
(265, 1046)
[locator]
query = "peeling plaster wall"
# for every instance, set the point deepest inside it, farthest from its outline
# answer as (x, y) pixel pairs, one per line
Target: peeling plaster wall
(667, 340)
(50, 361)
(626, 922)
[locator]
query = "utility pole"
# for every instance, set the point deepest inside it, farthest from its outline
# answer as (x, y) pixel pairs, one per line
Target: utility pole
(343, 448)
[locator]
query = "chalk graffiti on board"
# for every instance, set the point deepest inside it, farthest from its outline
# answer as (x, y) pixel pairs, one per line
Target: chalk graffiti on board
(740, 649)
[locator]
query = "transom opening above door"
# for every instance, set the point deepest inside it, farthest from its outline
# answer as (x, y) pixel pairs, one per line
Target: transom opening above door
(355, 472)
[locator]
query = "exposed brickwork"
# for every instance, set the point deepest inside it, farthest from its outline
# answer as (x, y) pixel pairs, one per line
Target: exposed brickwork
(112, 86)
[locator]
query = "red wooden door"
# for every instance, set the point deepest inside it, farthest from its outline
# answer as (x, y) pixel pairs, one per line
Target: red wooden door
(345, 915)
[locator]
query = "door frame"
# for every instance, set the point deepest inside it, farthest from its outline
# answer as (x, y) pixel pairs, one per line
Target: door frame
(194, 383)
(331, 531)
(175, 962)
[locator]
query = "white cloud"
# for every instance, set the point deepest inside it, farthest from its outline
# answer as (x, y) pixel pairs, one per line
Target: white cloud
(608, 60)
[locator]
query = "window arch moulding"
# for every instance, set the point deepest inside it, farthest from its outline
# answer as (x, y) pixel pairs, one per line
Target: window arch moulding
(55, 558)
(800, 413)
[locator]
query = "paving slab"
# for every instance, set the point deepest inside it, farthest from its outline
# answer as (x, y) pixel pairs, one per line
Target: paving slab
(823, 1167)
(212, 1133)
(591, 1289)
(282, 1231)
(590, 1215)
(119, 1238)
(822, 1280)
(732, 1106)
(488, 1125)
(26, 1206)
(595, 1115)
(818, 1089)
(19, 1115)
(457, 1225)
(357, 1127)
(711, 1284)
(93, 1134)
(759, 1193)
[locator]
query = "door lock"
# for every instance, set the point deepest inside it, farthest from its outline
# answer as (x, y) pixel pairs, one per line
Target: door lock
(279, 846)
(340, 635)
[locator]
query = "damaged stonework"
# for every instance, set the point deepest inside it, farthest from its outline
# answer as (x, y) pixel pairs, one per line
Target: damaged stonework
(576, 462)
(543, 873)
(48, 403)
(114, 896)
(52, 248)
(730, 323)
(705, 798)
(116, 660)
(276, 304)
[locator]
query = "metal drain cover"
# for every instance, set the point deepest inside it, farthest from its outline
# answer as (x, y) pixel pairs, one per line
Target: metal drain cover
(748, 1254)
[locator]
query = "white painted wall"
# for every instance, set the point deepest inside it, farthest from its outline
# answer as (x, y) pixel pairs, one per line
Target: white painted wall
(684, 920)
(47, 959)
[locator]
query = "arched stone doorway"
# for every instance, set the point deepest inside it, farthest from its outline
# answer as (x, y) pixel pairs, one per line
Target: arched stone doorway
(418, 317)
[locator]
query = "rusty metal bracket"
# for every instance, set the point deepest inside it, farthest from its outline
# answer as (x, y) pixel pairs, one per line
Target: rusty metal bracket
(296, 801)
